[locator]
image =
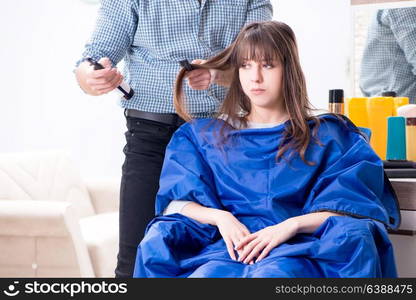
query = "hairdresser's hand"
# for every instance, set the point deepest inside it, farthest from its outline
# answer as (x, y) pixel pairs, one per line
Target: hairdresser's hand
(98, 82)
(260, 243)
(232, 231)
(200, 79)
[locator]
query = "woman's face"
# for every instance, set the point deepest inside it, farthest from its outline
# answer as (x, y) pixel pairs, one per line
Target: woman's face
(262, 82)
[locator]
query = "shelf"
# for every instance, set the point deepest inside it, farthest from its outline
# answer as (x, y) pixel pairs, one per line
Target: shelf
(405, 189)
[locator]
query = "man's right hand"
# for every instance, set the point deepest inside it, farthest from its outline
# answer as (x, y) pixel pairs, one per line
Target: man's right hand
(98, 82)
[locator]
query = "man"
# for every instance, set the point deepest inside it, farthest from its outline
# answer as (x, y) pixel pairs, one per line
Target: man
(152, 37)
(389, 60)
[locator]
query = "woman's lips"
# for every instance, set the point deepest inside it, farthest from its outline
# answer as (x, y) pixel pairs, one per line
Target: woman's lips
(257, 91)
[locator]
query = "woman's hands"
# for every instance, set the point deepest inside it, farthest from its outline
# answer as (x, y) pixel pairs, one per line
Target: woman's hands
(229, 227)
(232, 231)
(256, 245)
(260, 243)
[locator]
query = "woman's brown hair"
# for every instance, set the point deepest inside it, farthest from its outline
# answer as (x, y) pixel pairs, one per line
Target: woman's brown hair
(261, 41)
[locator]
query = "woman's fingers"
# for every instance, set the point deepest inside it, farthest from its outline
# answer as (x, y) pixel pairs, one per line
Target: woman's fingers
(248, 249)
(265, 252)
(230, 248)
(245, 240)
(239, 236)
(255, 252)
(245, 231)
(235, 240)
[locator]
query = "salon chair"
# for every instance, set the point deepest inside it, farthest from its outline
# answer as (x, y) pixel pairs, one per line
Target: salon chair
(52, 223)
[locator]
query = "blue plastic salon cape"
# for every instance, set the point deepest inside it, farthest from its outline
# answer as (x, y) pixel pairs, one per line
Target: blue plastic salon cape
(245, 179)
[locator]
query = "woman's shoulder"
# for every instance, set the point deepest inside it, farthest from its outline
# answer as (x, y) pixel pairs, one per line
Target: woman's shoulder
(331, 121)
(194, 128)
(334, 120)
(199, 124)
(339, 128)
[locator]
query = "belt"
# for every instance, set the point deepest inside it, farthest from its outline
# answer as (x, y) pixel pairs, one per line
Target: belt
(169, 119)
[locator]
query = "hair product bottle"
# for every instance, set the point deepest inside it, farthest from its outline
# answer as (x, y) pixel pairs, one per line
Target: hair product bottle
(411, 138)
(398, 101)
(396, 138)
(388, 94)
(336, 101)
(379, 109)
(356, 110)
(409, 112)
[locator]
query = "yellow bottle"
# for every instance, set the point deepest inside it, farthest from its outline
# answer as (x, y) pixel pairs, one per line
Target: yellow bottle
(356, 110)
(379, 109)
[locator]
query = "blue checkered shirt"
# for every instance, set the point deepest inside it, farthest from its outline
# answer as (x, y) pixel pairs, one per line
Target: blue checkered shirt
(389, 61)
(153, 36)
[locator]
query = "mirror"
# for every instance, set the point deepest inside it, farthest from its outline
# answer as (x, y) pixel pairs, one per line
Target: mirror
(384, 49)
(361, 2)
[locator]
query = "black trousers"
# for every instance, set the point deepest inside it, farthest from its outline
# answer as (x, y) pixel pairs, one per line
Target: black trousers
(146, 143)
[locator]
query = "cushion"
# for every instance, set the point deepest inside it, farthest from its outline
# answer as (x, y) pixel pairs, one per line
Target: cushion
(100, 233)
(43, 176)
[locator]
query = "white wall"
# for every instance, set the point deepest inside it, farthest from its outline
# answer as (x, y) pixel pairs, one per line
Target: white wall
(323, 31)
(42, 107)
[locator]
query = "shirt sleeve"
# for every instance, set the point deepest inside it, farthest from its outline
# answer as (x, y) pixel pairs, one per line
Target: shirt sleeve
(259, 10)
(402, 23)
(114, 31)
(175, 207)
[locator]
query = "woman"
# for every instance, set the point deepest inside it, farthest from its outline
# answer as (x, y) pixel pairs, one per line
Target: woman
(267, 189)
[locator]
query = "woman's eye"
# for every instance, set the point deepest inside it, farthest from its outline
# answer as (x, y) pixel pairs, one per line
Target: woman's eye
(268, 66)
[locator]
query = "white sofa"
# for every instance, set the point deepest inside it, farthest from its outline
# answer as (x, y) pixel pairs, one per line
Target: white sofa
(52, 224)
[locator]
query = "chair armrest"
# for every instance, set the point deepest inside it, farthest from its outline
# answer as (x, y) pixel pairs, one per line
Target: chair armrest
(104, 194)
(45, 219)
(34, 218)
